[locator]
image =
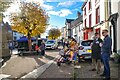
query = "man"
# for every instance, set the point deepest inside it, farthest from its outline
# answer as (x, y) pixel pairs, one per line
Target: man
(106, 51)
(42, 48)
(96, 53)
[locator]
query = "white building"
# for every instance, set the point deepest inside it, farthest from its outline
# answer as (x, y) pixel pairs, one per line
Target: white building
(77, 28)
(94, 17)
(115, 24)
(68, 26)
(16, 35)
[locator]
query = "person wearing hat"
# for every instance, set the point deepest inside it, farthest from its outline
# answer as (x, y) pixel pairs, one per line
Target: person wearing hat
(96, 53)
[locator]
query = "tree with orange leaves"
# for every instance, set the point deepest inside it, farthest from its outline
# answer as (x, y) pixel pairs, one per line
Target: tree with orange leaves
(31, 21)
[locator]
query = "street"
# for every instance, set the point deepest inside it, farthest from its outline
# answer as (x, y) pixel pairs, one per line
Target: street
(19, 66)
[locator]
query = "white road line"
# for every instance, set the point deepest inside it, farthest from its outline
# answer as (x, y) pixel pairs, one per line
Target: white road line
(4, 76)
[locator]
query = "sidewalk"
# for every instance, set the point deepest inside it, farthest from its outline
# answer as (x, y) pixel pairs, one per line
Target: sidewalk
(19, 66)
(64, 71)
(84, 73)
(79, 72)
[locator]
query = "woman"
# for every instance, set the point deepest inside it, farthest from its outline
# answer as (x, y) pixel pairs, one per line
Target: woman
(72, 45)
(75, 51)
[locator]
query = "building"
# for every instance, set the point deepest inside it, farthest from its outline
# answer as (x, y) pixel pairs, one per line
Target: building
(16, 35)
(77, 28)
(5, 36)
(68, 26)
(95, 17)
(114, 18)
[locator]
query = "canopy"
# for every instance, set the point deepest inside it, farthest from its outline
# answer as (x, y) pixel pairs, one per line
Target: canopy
(25, 39)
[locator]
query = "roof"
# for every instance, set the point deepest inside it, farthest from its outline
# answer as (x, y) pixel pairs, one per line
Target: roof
(84, 4)
(69, 20)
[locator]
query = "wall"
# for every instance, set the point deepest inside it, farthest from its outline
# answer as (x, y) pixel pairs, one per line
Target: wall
(118, 30)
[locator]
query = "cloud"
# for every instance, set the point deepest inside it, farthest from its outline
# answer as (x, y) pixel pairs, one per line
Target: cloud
(64, 0)
(61, 13)
(66, 4)
(47, 7)
(42, 3)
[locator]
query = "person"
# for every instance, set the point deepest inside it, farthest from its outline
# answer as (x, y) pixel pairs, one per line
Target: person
(64, 43)
(10, 47)
(96, 53)
(75, 52)
(42, 48)
(106, 51)
(37, 48)
(72, 45)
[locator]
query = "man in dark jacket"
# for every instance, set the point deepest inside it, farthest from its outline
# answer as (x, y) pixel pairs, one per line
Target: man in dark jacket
(42, 48)
(96, 53)
(106, 51)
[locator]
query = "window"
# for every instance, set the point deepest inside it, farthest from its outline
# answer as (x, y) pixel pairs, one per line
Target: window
(85, 23)
(95, 1)
(89, 5)
(97, 15)
(90, 20)
(79, 27)
(85, 11)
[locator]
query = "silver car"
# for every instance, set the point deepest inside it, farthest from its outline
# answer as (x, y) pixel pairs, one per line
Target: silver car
(51, 44)
(85, 50)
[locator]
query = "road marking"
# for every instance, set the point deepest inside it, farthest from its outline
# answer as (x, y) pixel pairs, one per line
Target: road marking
(4, 76)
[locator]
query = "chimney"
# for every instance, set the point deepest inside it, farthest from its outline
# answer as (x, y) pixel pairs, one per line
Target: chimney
(79, 14)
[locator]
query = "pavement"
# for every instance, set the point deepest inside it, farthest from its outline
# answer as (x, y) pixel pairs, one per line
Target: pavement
(54, 71)
(79, 71)
(84, 71)
(19, 66)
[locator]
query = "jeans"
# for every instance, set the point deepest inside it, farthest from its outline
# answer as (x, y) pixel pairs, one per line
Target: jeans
(105, 60)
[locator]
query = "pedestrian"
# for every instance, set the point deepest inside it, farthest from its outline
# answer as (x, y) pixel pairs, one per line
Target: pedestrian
(106, 51)
(10, 47)
(64, 43)
(75, 52)
(96, 53)
(72, 46)
(42, 48)
(37, 49)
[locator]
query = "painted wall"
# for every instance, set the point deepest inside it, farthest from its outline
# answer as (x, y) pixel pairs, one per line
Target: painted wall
(115, 8)
(118, 30)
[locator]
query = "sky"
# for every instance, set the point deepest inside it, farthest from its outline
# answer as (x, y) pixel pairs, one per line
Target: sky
(58, 10)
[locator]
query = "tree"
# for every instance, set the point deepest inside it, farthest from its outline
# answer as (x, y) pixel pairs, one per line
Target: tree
(4, 4)
(54, 33)
(31, 21)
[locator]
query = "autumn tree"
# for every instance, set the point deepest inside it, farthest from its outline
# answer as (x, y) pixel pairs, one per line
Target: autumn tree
(31, 21)
(54, 33)
(4, 4)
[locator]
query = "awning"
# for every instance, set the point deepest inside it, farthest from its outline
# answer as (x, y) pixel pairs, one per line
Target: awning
(25, 39)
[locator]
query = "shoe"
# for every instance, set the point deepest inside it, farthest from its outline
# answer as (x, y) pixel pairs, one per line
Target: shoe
(93, 69)
(98, 72)
(102, 75)
(106, 78)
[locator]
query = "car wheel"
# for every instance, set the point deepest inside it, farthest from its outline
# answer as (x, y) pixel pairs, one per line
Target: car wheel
(79, 60)
(58, 63)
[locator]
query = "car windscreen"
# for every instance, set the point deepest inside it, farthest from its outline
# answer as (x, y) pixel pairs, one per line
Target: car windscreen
(50, 42)
(86, 43)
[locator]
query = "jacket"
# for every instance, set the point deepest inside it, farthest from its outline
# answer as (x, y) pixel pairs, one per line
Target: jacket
(107, 43)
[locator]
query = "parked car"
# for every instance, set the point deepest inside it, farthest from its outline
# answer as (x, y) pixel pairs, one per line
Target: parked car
(85, 50)
(51, 44)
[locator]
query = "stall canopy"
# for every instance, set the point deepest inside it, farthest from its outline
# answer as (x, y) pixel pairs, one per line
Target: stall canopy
(25, 39)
